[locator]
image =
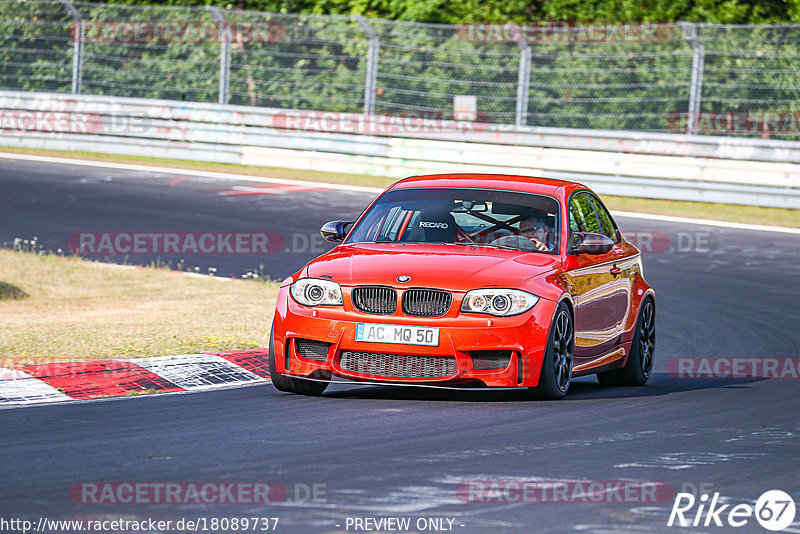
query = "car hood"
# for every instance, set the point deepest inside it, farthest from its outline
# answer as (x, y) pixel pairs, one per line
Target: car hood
(453, 267)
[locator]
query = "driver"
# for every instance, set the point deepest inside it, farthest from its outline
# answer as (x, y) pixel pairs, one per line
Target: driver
(537, 229)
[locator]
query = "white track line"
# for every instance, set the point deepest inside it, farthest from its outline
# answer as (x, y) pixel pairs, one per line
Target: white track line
(188, 172)
(376, 190)
(709, 222)
(184, 273)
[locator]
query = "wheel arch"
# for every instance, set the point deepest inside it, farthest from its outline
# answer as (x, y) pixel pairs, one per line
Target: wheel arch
(566, 299)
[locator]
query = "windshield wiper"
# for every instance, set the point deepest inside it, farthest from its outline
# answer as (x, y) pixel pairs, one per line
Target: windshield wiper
(490, 245)
(465, 244)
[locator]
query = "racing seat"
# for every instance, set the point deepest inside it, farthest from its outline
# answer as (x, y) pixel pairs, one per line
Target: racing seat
(432, 227)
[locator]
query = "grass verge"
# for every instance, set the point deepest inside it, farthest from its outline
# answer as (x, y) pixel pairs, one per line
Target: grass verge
(80, 310)
(707, 210)
(679, 208)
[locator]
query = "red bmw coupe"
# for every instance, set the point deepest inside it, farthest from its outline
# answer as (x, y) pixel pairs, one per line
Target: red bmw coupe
(465, 280)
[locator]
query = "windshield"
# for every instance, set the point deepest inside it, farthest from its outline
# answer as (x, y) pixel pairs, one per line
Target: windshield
(501, 219)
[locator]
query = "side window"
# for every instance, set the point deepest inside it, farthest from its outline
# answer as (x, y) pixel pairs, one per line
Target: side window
(609, 228)
(581, 214)
(573, 223)
(576, 222)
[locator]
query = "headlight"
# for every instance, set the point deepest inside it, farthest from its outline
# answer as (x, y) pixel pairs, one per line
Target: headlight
(500, 302)
(315, 292)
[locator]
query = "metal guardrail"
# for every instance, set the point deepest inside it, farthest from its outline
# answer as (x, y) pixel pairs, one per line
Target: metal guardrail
(683, 167)
(604, 140)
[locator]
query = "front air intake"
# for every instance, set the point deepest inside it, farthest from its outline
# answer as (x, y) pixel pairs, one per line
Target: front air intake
(398, 365)
(312, 350)
(483, 360)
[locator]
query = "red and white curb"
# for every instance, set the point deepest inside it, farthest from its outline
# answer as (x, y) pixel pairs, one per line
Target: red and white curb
(69, 381)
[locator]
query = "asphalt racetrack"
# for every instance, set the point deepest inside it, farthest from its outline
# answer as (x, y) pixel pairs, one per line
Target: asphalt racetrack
(408, 452)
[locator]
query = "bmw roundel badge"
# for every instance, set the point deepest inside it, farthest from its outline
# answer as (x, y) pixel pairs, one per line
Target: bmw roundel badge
(403, 278)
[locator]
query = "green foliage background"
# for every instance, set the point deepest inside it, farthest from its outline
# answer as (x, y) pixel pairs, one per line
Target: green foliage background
(457, 11)
(321, 62)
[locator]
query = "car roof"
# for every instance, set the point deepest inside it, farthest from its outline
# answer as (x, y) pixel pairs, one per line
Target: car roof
(510, 182)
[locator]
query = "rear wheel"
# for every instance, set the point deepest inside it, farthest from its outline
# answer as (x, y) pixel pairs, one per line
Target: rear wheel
(287, 383)
(556, 375)
(640, 361)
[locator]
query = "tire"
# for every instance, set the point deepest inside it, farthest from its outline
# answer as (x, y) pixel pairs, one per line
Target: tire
(287, 383)
(640, 361)
(559, 356)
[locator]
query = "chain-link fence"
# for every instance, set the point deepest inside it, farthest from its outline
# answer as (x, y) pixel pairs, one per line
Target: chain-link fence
(732, 80)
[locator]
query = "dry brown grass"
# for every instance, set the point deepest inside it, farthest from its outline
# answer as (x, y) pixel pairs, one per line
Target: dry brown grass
(79, 310)
(707, 210)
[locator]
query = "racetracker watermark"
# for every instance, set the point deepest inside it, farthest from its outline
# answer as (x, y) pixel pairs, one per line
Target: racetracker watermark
(391, 123)
(654, 241)
(755, 122)
(21, 121)
(538, 31)
(192, 243)
(563, 491)
(205, 242)
(113, 243)
(195, 493)
(165, 32)
(67, 120)
(732, 367)
(399, 524)
(107, 523)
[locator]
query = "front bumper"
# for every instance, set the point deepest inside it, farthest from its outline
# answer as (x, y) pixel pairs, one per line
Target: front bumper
(525, 336)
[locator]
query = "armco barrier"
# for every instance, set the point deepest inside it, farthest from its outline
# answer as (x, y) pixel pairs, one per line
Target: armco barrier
(713, 169)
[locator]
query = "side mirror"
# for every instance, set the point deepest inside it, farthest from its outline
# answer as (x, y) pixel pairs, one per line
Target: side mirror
(335, 230)
(589, 243)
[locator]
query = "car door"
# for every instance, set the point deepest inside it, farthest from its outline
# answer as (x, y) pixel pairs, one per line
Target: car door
(625, 263)
(598, 296)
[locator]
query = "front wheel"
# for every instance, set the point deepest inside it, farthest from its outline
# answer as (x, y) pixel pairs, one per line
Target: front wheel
(559, 355)
(640, 361)
(290, 384)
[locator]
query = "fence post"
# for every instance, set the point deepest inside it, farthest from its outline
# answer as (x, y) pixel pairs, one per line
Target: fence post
(224, 55)
(698, 64)
(77, 54)
(523, 84)
(372, 64)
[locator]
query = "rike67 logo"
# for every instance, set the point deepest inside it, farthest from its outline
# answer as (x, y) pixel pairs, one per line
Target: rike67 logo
(774, 510)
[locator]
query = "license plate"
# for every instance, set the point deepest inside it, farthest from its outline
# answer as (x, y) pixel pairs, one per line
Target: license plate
(395, 333)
